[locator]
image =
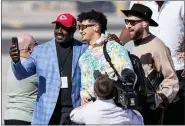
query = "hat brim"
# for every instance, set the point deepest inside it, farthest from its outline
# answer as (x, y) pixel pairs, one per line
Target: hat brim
(54, 22)
(132, 12)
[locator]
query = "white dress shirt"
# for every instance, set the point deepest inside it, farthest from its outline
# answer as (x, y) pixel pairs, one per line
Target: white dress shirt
(170, 18)
(105, 112)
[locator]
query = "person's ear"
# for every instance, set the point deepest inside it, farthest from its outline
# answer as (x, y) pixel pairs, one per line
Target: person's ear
(96, 28)
(145, 24)
(30, 50)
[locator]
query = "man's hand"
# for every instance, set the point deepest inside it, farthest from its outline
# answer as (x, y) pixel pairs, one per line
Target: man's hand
(153, 100)
(14, 54)
(85, 97)
(112, 37)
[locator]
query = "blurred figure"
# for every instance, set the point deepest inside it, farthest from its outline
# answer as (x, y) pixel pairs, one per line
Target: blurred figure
(104, 110)
(21, 94)
(155, 59)
(93, 25)
(56, 65)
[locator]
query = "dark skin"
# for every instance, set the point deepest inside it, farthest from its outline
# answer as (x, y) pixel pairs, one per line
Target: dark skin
(63, 35)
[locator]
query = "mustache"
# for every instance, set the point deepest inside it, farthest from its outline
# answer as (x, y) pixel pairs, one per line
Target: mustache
(59, 34)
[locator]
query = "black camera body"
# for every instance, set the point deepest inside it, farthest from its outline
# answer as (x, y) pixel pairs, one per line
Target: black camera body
(126, 96)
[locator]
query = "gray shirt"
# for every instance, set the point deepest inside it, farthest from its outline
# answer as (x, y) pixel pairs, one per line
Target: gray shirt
(21, 96)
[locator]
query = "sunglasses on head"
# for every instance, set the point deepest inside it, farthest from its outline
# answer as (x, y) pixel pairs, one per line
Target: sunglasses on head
(82, 27)
(132, 22)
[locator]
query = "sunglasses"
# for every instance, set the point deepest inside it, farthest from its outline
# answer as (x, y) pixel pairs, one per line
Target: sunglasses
(132, 22)
(82, 27)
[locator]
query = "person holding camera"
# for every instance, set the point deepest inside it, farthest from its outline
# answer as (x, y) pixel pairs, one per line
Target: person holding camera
(156, 60)
(21, 94)
(104, 110)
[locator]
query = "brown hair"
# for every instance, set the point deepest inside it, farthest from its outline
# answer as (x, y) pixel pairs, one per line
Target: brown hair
(104, 87)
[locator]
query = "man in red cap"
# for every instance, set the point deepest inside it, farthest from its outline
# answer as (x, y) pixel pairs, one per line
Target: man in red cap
(56, 65)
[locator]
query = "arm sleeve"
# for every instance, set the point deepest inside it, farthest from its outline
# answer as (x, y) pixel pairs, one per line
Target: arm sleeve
(26, 69)
(76, 116)
(163, 62)
(83, 77)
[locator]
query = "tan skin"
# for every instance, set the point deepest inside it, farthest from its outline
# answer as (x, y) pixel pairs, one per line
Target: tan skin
(124, 36)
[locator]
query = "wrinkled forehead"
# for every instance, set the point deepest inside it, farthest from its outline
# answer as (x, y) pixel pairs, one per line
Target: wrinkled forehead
(134, 17)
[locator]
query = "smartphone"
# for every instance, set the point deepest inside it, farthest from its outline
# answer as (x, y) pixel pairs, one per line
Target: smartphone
(15, 42)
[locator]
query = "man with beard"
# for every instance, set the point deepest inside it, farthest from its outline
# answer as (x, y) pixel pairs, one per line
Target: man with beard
(154, 56)
(170, 17)
(56, 65)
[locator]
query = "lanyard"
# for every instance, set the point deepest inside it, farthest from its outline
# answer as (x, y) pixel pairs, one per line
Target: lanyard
(60, 61)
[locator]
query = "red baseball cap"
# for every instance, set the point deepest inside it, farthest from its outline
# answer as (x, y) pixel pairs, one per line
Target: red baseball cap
(66, 19)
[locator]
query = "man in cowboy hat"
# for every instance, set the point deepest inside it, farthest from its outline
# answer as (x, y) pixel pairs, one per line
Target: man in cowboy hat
(155, 57)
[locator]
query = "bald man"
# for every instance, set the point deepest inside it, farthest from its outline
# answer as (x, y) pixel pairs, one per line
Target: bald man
(21, 95)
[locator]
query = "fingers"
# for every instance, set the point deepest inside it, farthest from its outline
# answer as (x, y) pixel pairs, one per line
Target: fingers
(112, 37)
(14, 53)
(85, 97)
(84, 100)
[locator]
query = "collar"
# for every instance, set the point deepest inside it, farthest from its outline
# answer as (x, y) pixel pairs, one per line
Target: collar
(100, 41)
(109, 100)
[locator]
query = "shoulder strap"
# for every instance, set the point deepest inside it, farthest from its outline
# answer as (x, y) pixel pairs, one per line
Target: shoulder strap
(108, 59)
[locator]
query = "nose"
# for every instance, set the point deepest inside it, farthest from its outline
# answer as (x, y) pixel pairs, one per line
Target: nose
(60, 30)
(128, 25)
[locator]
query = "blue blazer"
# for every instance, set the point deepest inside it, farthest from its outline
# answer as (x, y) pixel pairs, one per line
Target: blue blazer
(44, 62)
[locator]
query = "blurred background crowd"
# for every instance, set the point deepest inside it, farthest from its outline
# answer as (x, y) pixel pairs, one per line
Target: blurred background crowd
(34, 17)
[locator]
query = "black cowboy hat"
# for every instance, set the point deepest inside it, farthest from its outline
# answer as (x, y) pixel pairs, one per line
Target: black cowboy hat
(141, 11)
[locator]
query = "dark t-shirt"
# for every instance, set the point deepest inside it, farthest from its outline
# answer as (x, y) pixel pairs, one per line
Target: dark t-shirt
(64, 103)
(65, 55)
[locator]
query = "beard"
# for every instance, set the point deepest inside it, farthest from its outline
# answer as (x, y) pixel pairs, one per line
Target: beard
(136, 37)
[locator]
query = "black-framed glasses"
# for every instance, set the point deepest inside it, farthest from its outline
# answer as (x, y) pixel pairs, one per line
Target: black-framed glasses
(132, 22)
(82, 27)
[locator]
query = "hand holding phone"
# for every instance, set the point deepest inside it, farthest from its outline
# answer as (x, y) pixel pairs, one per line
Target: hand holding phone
(14, 50)
(15, 42)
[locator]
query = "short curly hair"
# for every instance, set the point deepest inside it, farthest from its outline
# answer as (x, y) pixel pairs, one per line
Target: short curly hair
(96, 16)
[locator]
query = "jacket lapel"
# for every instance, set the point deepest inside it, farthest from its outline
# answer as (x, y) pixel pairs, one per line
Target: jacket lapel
(53, 58)
(76, 56)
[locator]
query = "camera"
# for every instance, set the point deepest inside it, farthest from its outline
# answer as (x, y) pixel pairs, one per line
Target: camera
(125, 95)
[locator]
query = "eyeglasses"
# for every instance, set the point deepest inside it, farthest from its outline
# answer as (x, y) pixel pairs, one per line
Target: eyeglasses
(132, 22)
(82, 27)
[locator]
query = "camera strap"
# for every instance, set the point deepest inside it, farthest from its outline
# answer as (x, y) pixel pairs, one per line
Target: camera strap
(108, 59)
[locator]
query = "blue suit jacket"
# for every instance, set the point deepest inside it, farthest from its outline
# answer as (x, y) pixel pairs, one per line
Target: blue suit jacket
(44, 63)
